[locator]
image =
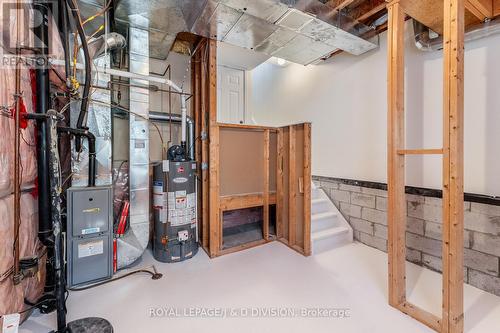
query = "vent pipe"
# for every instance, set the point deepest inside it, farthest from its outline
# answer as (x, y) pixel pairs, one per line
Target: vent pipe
(425, 42)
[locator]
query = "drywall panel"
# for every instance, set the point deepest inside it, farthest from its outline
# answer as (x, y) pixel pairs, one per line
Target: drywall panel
(346, 100)
(241, 161)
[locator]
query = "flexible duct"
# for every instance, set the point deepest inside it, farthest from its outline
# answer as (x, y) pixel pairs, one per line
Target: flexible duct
(177, 119)
(424, 42)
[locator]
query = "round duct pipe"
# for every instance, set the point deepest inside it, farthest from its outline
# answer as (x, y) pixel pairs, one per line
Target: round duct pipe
(425, 42)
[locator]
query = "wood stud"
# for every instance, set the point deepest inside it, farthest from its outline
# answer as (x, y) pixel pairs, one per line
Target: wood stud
(212, 205)
(307, 189)
(451, 320)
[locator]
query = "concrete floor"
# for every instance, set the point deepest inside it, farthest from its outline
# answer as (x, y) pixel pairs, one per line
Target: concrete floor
(271, 277)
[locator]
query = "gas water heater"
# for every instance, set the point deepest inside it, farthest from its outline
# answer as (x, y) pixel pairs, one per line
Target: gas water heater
(175, 236)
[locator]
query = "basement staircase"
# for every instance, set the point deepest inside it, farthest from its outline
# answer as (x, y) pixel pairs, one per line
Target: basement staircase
(329, 229)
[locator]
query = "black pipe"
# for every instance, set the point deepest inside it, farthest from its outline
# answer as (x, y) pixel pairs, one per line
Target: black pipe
(88, 78)
(63, 30)
(79, 133)
(55, 181)
(42, 105)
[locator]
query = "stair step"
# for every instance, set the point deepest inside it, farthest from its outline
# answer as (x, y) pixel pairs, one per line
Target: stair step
(320, 205)
(316, 193)
(318, 200)
(329, 233)
(322, 216)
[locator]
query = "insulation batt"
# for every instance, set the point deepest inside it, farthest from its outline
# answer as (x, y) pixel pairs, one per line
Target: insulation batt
(12, 296)
(7, 130)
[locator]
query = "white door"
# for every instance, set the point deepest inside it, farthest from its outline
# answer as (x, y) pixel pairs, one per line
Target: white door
(230, 95)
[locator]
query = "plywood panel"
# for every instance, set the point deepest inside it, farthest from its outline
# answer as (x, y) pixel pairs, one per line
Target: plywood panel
(430, 13)
(241, 161)
(496, 7)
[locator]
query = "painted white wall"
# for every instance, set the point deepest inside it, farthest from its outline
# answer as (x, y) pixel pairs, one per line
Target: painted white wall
(346, 100)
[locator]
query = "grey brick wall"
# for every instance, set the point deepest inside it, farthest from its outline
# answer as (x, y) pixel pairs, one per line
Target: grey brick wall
(366, 210)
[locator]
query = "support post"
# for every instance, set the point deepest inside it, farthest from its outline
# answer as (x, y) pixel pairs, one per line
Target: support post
(396, 162)
(453, 166)
(265, 229)
(214, 211)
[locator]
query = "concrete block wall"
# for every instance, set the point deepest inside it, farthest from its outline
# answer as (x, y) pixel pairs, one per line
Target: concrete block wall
(366, 210)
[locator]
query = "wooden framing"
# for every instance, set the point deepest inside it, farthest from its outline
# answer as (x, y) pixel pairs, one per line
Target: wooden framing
(451, 320)
(292, 191)
(265, 228)
(482, 9)
(217, 194)
(307, 189)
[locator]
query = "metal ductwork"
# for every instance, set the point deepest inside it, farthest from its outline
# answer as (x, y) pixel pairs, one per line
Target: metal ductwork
(131, 246)
(300, 31)
(106, 43)
(425, 41)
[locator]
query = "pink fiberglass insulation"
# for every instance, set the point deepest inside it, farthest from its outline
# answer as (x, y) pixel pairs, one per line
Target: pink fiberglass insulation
(28, 143)
(30, 246)
(12, 296)
(7, 130)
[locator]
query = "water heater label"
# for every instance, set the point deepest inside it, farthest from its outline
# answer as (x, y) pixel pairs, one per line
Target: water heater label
(90, 249)
(157, 194)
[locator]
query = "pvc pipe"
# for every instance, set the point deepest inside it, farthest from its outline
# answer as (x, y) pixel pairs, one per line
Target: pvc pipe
(177, 119)
(149, 78)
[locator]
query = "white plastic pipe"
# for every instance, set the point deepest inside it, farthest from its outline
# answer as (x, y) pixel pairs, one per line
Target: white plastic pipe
(129, 75)
(169, 83)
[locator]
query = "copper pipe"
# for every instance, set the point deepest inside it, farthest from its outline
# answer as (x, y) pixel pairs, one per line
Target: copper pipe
(17, 159)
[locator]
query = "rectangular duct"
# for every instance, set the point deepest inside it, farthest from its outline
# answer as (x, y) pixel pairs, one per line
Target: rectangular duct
(135, 241)
(99, 124)
(280, 28)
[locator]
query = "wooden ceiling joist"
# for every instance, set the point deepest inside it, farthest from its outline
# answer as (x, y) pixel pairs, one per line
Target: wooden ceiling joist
(367, 9)
(339, 4)
(482, 9)
(496, 7)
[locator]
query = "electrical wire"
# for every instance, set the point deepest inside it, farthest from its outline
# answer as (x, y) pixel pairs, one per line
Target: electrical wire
(93, 17)
(154, 275)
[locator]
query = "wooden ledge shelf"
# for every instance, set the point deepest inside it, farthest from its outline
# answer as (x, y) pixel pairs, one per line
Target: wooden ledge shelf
(420, 152)
(232, 202)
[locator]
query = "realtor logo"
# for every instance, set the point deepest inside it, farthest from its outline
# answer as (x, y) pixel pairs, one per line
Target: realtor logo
(27, 34)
